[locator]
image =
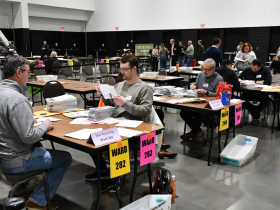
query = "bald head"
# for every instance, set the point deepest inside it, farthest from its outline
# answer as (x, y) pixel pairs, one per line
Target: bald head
(172, 41)
(190, 42)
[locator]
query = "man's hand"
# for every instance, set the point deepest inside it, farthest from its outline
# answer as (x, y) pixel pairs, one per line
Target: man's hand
(36, 121)
(246, 60)
(192, 86)
(201, 91)
(119, 100)
(98, 90)
(240, 80)
(49, 123)
(43, 48)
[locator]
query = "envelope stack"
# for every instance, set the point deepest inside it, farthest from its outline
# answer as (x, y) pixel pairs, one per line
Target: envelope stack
(101, 113)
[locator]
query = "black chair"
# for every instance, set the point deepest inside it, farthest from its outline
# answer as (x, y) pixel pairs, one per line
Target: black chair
(55, 68)
(52, 89)
(76, 68)
(108, 80)
(67, 72)
(162, 72)
(30, 181)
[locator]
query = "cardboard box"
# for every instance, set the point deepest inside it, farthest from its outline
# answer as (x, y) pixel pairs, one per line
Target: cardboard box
(150, 202)
(239, 150)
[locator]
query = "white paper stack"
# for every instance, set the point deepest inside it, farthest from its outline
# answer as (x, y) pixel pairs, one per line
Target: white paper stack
(248, 84)
(192, 93)
(62, 103)
(101, 113)
(165, 90)
(176, 90)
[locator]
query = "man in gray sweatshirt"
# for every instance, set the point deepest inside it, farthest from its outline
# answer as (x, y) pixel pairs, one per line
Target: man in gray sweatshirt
(134, 101)
(206, 85)
(18, 136)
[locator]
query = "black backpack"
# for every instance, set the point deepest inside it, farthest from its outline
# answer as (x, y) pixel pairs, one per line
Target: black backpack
(162, 182)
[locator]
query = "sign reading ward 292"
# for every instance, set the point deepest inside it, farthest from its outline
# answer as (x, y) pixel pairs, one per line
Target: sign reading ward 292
(143, 49)
(119, 158)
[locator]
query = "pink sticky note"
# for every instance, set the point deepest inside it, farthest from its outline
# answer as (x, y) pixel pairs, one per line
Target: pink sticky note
(238, 110)
(147, 149)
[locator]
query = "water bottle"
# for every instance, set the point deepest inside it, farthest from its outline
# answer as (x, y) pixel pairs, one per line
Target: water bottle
(177, 65)
(173, 186)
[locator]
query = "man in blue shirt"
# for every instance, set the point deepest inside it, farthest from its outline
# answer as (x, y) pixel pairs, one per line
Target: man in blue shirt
(214, 52)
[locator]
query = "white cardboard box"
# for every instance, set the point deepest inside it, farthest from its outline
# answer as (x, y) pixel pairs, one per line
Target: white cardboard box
(239, 150)
(150, 202)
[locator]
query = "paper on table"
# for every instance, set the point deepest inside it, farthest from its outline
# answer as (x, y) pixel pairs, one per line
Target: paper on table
(239, 59)
(81, 121)
(129, 123)
(52, 119)
(44, 113)
(177, 101)
(107, 91)
(261, 86)
(234, 101)
(157, 98)
(82, 134)
(128, 132)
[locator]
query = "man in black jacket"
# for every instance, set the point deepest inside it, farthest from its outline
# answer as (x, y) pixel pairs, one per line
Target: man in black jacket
(261, 75)
(45, 50)
(50, 62)
(228, 74)
(200, 51)
(174, 52)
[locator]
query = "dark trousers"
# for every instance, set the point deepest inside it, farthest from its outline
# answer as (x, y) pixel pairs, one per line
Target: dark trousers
(103, 165)
(249, 96)
(193, 119)
(174, 60)
(155, 64)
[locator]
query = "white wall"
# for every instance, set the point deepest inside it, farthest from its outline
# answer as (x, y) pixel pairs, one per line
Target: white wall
(6, 19)
(51, 24)
(182, 14)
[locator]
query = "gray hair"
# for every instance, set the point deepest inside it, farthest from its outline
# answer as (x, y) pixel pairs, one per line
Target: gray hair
(54, 53)
(172, 40)
(12, 64)
(211, 61)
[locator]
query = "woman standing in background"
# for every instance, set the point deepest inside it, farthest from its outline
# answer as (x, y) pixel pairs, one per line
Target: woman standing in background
(155, 57)
(162, 53)
(244, 57)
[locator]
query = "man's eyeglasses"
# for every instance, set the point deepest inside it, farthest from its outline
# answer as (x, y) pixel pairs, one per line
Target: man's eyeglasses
(28, 72)
(207, 70)
(125, 70)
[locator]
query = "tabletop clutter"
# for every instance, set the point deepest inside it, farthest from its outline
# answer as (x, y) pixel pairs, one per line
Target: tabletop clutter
(62, 103)
(248, 84)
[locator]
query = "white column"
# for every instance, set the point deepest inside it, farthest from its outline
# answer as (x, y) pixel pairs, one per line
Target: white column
(20, 13)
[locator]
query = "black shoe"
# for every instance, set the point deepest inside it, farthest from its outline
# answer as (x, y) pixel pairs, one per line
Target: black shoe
(114, 189)
(103, 175)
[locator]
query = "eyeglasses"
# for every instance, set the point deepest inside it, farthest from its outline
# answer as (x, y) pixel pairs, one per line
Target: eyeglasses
(125, 70)
(207, 70)
(28, 72)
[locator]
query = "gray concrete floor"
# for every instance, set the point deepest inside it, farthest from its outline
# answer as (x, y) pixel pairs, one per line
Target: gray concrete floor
(216, 187)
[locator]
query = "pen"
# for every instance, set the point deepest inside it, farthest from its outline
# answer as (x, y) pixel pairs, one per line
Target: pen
(112, 100)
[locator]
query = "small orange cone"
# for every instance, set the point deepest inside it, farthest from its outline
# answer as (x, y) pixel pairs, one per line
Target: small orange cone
(101, 104)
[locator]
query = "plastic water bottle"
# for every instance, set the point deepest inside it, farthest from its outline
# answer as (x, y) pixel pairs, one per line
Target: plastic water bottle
(173, 186)
(177, 65)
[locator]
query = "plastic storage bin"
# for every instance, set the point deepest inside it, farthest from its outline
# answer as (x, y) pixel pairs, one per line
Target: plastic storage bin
(239, 150)
(150, 74)
(159, 202)
(46, 78)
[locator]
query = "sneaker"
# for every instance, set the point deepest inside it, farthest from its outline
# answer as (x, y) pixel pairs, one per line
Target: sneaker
(197, 136)
(187, 136)
(33, 206)
(114, 189)
(103, 175)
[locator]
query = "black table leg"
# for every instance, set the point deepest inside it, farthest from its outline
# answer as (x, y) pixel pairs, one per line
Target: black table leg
(32, 96)
(117, 191)
(98, 182)
(135, 171)
(211, 142)
(149, 176)
(219, 142)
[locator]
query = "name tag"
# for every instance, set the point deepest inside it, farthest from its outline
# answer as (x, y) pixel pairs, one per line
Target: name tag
(205, 85)
(259, 76)
(128, 98)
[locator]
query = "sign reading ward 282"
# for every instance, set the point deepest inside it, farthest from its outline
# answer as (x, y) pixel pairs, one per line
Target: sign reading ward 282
(119, 158)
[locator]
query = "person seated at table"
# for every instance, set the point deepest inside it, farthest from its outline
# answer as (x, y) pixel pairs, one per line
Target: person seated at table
(49, 63)
(260, 75)
(20, 150)
(275, 71)
(206, 85)
(228, 74)
(134, 102)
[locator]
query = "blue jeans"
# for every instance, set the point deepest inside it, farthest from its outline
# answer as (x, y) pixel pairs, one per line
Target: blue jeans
(193, 119)
(163, 62)
(181, 60)
(239, 70)
(57, 162)
(189, 61)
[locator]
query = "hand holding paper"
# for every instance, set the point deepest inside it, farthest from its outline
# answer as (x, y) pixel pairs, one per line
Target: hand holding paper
(107, 91)
(119, 100)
